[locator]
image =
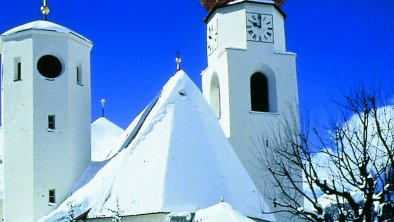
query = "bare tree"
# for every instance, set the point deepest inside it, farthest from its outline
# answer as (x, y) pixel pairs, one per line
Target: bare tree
(71, 211)
(117, 212)
(347, 170)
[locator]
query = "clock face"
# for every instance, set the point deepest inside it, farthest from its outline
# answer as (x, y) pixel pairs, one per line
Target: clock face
(212, 37)
(259, 27)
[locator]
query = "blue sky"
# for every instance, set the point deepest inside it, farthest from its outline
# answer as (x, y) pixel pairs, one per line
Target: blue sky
(135, 45)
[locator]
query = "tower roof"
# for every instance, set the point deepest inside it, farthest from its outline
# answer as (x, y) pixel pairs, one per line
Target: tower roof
(104, 135)
(212, 4)
(45, 26)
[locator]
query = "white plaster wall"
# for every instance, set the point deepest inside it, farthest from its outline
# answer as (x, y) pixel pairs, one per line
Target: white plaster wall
(232, 25)
(18, 130)
(1, 210)
(36, 158)
(159, 217)
(235, 62)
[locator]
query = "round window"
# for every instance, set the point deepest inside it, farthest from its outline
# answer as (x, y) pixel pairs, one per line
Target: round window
(49, 66)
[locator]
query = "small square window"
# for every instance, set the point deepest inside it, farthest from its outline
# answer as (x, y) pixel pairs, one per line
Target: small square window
(51, 122)
(52, 196)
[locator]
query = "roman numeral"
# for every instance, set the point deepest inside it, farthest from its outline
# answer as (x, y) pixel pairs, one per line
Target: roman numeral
(250, 32)
(269, 33)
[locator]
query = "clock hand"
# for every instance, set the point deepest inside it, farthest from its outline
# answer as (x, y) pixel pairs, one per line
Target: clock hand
(253, 22)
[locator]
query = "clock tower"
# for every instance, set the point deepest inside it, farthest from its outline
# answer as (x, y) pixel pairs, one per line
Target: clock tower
(250, 81)
(45, 116)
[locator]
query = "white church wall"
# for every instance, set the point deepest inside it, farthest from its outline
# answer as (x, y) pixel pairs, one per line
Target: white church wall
(44, 159)
(247, 130)
(159, 217)
(18, 128)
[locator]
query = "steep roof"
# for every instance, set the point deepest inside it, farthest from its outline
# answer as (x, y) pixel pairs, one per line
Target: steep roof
(177, 160)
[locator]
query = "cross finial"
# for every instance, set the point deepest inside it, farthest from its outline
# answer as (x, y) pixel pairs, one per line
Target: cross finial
(45, 9)
(178, 61)
(102, 107)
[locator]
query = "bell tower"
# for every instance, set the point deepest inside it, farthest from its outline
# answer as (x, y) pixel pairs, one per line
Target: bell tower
(45, 115)
(250, 81)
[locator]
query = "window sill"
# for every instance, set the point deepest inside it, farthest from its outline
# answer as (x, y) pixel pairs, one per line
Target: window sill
(18, 80)
(52, 130)
(79, 84)
(264, 113)
(52, 204)
(48, 79)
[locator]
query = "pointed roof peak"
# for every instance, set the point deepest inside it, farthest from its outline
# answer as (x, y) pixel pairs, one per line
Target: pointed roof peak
(177, 160)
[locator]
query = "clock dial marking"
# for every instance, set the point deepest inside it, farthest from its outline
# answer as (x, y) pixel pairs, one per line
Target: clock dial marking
(212, 37)
(259, 27)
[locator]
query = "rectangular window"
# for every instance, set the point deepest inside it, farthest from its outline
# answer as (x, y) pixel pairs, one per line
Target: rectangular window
(178, 219)
(52, 196)
(79, 75)
(18, 70)
(51, 122)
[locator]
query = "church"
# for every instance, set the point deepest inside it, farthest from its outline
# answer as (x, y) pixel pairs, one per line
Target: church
(187, 154)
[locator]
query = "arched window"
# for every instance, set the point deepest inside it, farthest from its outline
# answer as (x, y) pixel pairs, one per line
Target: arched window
(259, 93)
(215, 95)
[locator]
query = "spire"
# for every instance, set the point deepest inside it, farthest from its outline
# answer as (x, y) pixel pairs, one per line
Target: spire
(45, 9)
(102, 107)
(178, 61)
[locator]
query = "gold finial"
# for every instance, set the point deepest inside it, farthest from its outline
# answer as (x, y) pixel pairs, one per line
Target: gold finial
(45, 9)
(178, 61)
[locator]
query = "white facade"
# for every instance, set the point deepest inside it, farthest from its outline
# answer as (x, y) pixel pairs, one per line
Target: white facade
(46, 120)
(226, 82)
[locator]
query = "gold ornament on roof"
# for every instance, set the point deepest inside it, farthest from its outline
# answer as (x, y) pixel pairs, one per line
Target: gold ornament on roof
(178, 61)
(45, 9)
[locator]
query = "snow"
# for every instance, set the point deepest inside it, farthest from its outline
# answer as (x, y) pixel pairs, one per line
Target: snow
(220, 212)
(42, 25)
(177, 159)
(104, 135)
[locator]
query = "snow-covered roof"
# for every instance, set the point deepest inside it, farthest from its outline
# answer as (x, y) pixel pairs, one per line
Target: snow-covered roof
(177, 160)
(220, 212)
(43, 25)
(104, 135)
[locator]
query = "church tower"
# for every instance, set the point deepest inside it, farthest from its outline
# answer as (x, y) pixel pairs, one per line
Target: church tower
(250, 81)
(45, 116)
